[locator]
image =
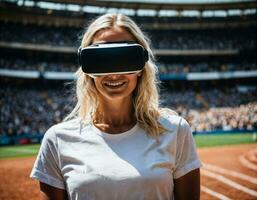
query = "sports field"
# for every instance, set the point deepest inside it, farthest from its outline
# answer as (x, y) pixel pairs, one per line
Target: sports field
(229, 170)
(201, 141)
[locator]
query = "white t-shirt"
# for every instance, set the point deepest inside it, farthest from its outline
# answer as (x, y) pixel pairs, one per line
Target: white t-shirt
(92, 165)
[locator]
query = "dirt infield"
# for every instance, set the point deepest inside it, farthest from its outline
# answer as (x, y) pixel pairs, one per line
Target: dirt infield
(231, 178)
(229, 172)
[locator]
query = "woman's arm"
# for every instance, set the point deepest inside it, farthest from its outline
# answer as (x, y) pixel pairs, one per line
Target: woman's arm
(188, 186)
(48, 192)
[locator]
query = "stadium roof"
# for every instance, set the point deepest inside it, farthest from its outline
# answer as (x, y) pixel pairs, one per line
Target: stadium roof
(168, 5)
(179, 1)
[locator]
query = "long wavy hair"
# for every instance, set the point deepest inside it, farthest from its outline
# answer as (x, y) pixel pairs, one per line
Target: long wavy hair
(145, 95)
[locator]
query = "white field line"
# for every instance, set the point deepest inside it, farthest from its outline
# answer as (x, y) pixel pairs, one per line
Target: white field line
(252, 155)
(247, 163)
(252, 158)
(228, 182)
(213, 193)
(230, 172)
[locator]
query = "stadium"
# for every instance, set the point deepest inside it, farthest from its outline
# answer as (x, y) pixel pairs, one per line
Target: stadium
(206, 56)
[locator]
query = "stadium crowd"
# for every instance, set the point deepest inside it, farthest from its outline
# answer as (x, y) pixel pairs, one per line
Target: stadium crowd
(215, 109)
(164, 68)
(25, 64)
(20, 114)
(161, 39)
(205, 111)
(204, 39)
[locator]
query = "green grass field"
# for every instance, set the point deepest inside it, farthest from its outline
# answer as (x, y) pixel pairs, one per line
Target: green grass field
(19, 151)
(201, 141)
(223, 139)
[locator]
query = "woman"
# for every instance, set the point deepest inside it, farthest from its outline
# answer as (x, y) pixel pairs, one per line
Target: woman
(117, 143)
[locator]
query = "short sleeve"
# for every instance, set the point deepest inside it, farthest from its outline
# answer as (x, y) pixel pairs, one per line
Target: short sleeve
(47, 165)
(186, 154)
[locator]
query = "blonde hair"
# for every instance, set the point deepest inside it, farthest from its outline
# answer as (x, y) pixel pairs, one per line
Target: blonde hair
(145, 98)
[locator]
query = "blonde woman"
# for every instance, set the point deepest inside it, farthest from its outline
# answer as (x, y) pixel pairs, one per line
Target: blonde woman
(117, 144)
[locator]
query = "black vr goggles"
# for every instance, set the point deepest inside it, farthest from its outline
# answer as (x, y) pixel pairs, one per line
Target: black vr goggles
(112, 58)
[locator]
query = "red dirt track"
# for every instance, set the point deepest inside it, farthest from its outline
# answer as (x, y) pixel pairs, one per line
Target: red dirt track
(16, 185)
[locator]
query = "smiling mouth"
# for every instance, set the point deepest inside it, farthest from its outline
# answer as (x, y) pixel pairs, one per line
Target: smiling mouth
(114, 84)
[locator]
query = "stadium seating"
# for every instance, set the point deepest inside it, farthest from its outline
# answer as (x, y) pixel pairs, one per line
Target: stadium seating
(182, 46)
(164, 68)
(206, 110)
(161, 39)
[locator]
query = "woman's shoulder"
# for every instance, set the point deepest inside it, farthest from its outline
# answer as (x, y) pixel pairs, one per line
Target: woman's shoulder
(68, 124)
(64, 127)
(172, 121)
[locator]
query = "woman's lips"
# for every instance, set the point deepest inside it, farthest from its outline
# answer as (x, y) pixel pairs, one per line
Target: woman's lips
(114, 84)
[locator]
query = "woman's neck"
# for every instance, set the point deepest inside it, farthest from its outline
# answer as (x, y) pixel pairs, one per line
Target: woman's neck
(116, 115)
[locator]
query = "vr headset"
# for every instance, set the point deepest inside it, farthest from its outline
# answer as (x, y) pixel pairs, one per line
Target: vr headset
(112, 58)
